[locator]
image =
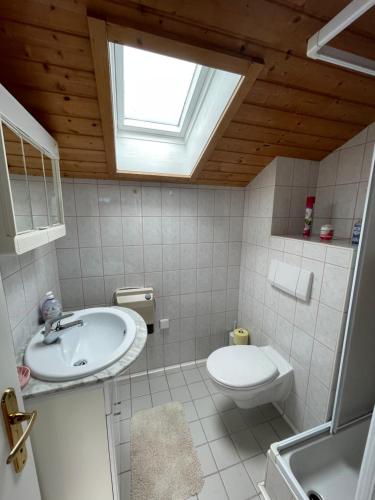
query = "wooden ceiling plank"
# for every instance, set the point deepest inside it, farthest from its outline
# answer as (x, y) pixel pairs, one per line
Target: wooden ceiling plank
(293, 122)
(327, 10)
(46, 77)
(57, 103)
(44, 45)
(220, 182)
(71, 125)
(74, 166)
(66, 16)
(226, 175)
(76, 141)
(239, 158)
(82, 155)
(218, 167)
(278, 136)
(259, 148)
(312, 104)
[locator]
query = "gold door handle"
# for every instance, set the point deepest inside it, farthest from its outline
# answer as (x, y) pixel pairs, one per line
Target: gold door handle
(13, 419)
(17, 418)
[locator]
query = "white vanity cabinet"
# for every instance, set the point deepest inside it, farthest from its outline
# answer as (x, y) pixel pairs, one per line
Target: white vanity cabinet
(73, 443)
(31, 210)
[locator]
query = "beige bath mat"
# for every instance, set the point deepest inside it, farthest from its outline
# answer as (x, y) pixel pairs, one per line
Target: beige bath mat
(164, 462)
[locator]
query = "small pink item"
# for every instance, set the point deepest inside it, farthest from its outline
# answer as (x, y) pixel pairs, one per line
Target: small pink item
(23, 375)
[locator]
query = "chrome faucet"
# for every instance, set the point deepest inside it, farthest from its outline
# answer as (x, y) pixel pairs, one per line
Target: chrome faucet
(52, 334)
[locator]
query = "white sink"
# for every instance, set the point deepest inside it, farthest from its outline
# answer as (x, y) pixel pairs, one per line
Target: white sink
(106, 334)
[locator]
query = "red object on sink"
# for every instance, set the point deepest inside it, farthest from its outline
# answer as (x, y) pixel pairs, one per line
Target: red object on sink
(23, 375)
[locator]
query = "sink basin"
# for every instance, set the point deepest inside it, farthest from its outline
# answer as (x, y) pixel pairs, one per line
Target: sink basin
(106, 334)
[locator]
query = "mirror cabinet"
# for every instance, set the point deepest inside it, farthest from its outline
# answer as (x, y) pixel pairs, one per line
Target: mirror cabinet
(31, 210)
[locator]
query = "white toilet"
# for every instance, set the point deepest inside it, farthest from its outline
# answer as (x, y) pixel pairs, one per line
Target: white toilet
(250, 375)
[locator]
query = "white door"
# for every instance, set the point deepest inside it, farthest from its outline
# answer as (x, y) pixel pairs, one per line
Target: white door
(22, 485)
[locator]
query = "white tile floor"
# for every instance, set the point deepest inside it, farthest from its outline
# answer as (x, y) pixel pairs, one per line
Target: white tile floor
(231, 443)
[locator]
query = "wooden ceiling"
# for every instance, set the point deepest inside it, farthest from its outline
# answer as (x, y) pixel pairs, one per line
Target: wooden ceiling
(297, 107)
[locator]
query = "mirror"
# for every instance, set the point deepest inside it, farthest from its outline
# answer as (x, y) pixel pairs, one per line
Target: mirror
(37, 185)
(18, 180)
(52, 192)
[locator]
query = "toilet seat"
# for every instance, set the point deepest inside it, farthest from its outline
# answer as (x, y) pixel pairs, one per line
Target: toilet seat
(241, 367)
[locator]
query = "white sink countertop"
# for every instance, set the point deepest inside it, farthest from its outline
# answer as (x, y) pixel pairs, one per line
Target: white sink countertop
(37, 387)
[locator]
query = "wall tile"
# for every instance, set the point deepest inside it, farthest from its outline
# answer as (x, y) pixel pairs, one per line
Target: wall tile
(69, 264)
(188, 256)
(170, 201)
(334, 287)
(71, 293)
(350, 165)
(86, 196)
(88, 231)
(131, 201)
(153, 258)
(113, 261)
(69, 202)
(189, 228)
(152, 230)
(328, 326)
(205, 229)
(189, 202)
(132, 230)
(302, 347)
(109, 200)
(91, 262)
(111, 231)
(322, 363)
(222, 202)
(134, 259)
(93, 291)
(151, 201)
(171, 230)
(206, 202)
(71, 238)
(344, 201)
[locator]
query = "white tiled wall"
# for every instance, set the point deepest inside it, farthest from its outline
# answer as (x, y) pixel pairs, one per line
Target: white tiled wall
(183, 241)
(342, 184)
(306, 334)
(25, 280)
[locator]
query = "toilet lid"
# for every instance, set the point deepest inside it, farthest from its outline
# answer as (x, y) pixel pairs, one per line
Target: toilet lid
(241, 366)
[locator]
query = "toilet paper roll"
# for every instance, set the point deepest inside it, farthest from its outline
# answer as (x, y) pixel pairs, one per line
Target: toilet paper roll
(241, 336)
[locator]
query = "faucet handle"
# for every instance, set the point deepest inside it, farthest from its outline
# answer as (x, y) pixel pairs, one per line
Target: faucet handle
(61, 317)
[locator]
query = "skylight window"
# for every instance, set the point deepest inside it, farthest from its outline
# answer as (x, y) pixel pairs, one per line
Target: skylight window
(166, 109)
(156, 94)
(156, 87)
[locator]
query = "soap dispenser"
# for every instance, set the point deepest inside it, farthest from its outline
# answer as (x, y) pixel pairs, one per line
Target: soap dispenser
(50, 307)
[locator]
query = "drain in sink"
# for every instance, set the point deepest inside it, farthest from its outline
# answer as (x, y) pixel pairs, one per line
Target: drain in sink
(313, 495)
(80, 362)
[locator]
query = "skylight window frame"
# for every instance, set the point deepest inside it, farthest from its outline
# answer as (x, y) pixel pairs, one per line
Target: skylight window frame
(158, 131)
(103, 33)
